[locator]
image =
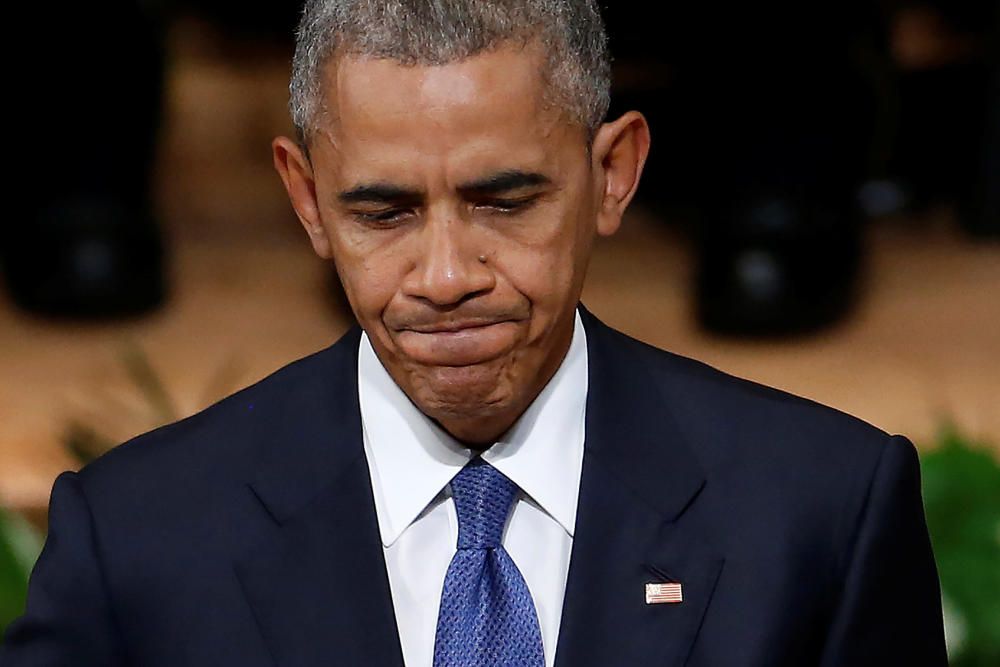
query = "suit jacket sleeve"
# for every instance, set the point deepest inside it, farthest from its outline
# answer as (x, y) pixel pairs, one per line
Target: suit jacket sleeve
(889, 612)
(68, 618)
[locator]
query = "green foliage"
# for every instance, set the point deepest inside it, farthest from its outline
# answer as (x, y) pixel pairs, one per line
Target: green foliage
(19, 548)
(961, 486)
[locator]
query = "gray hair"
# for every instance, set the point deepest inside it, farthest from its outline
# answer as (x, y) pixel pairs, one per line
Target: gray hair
(436, 32)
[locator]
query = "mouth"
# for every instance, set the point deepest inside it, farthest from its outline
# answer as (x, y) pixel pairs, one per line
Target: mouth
(462, 343)
(454, 327)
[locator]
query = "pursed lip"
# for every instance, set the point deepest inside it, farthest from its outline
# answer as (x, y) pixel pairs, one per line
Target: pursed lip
(464, 342)
(453, 327)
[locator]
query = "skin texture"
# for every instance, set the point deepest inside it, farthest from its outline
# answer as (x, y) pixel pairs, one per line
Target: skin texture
(460, 211)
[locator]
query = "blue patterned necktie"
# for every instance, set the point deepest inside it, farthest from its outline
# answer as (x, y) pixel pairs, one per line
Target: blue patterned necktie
(487, 617)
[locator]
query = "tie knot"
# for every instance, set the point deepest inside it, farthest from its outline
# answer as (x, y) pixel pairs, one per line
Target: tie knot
(483, 497)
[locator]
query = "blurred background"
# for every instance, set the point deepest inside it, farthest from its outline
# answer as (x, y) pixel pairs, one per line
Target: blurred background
(821, 213)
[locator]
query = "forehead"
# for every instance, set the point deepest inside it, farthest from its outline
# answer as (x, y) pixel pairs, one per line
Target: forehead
(485, 112)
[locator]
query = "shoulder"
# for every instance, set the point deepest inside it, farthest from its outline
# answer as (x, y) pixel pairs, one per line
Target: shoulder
(221, 445)
(779, 469)
(734, 424)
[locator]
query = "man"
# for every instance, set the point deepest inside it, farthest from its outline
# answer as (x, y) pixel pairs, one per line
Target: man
(483, 473)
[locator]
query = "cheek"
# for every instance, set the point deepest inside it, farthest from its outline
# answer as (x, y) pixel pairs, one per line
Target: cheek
(545, 258)
(371, 277)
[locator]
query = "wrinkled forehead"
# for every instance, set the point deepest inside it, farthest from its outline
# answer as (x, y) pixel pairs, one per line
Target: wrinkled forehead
(490, 107)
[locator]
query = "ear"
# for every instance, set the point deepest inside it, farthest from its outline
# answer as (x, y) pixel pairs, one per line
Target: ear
(619, 152)
(296, 173)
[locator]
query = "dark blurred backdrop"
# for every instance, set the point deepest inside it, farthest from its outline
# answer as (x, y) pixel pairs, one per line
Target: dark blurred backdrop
(780, 128)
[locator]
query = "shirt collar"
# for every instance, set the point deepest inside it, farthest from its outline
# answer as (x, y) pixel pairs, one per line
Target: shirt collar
(411, 459)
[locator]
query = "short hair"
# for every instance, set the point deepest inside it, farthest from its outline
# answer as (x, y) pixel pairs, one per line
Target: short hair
(437, 32)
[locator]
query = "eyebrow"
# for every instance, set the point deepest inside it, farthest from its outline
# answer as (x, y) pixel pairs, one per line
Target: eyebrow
(500, 182)
(504, 181)
(378, 193)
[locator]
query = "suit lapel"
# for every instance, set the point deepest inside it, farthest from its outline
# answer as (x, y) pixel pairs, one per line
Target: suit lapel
(639, 479)
(317, 581)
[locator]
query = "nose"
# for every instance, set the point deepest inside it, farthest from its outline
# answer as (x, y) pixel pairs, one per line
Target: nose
(448, 270)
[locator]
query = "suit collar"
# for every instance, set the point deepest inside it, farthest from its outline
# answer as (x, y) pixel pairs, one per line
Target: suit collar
(316, 435)
(641, 479)
(316, 582)
(631, 427)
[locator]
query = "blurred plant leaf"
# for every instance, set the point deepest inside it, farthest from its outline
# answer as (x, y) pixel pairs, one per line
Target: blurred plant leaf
(20, 545)
(961, 487)
(148, 382)
(154, 407)
(85, 443)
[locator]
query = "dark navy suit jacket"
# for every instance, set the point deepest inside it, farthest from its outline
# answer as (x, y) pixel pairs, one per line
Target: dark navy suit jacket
(246, 535)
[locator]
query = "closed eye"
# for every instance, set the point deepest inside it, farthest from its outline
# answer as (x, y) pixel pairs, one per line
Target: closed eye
(507, 205)
(385, 217)
(390, 217)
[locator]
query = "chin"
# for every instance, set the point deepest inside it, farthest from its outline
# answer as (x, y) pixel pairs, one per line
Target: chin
(462, 392)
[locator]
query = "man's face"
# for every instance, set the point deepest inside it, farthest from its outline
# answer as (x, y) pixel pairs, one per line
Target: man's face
(460, 211)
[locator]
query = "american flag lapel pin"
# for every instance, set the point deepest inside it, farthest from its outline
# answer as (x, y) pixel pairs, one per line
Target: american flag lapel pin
(668, 592)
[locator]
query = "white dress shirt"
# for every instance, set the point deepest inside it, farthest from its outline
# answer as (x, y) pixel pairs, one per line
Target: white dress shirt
(412, 460)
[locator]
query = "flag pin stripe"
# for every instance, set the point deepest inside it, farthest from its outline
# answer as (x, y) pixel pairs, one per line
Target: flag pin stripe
(664, 593)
